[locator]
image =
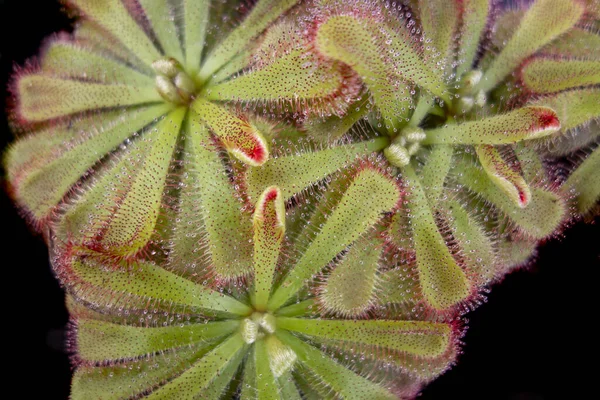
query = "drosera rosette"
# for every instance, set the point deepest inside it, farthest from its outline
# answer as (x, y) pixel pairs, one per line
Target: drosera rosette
(445, 108)
(160, 326)
(116, 94)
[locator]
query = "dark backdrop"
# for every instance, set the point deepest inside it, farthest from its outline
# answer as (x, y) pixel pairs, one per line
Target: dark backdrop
(534, 339)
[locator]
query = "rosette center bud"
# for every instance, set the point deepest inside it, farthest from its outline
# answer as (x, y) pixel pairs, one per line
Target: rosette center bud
(257, 325)
(404, 146)
(172, 82)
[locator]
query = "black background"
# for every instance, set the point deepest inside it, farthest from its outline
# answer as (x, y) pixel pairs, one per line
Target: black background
(534, 339)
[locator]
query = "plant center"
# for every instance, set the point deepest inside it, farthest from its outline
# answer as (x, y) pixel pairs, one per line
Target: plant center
(257, 326)
(172, 82)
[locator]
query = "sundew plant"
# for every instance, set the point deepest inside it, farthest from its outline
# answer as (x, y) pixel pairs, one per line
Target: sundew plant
(286, 199)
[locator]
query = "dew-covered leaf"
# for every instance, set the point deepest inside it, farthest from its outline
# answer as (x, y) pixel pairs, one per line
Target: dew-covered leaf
(113, 16)
(161, 16)
(262, 14)
(440, 19)
(118, 212)
(443, 282)
(43, 97)
(350, 288)
(134, 377)
(333, 128)
(576, 43)
(97, 283)
(99, 341)
(269, 230)
(474, 17)
(425, 339)
(294, 173)
(352, 41)
(573, 108)
(434, 172)
(92, 35)
(267, 387)
(195, 25)
(475, 243)
(543, 22)
(226, 226)
(368, 196)
(585, 181)
(72, 60)
(510, 181)
(514, 126)
(44, 166)
(202, 377)
(240, 137)
(396, 286)
(546, 75)
(542, 216)
(341, 379)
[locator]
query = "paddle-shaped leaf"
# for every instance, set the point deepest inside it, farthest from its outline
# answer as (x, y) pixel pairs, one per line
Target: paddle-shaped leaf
(269, 229)
(294, 173)
(443, 282)
(43, 97)
(546, 75)
(543, 22)
(369, 194)
(514, 126)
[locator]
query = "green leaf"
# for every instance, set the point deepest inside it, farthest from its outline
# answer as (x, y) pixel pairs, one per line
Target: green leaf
(98, 283)
(269, 231)
(289, 391)
(440, 19)
(503, 175)
(573, 108)
(123, 381)
(514, 253)
(474, 18)
(261, 16)
(99, 341)
(305, 307)
(425, 339)
(545, 21)
(249, 391)
(296, 172)
(162, 19)
(434, 172)
(396, 286)
(350, 287)
(340, 378)
(267, 387)
(545, 75)
(43, 97)
(542, 216)
(585, 181)
(350, 40)
(333, 128)
(43, 167)
(475, 243)
(201, 376)
(72, 60)
(119, 211)
(115, 18)
(576, 43)
(226, 226)
(90, 34)
(240, 137)
(195, 22)
(514, 126)
(360, 207)
(297, 77)
(443, 282)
